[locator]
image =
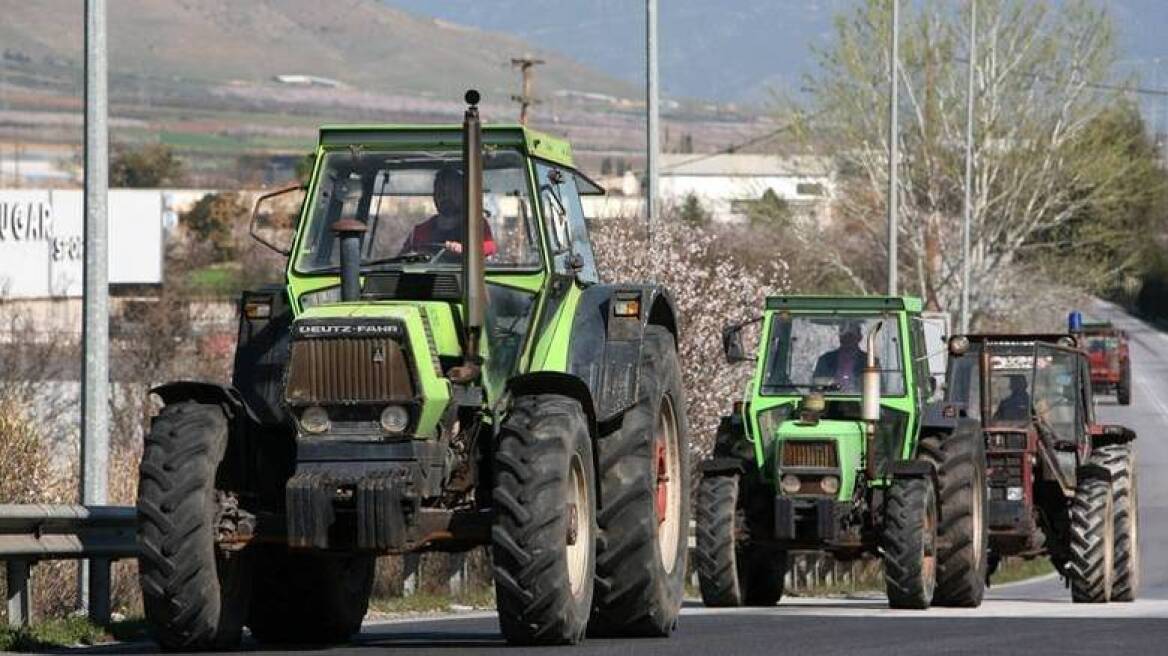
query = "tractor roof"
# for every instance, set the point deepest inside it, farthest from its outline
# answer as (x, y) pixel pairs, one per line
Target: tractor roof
(534, 143)
(845, 303)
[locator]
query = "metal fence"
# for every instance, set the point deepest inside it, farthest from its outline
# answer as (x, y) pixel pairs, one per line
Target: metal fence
(30, 533)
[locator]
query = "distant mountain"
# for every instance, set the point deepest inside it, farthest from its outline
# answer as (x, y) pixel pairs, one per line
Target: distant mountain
(729, 50)
(364, 44)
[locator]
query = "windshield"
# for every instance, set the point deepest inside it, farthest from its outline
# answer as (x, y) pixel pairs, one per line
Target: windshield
(828, 352)
(412, 204)
(1102, 344)
(1034, 381)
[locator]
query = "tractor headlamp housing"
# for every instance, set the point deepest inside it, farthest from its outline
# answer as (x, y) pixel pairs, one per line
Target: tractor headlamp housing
(315, 420)
(395, 419)
(325, 296)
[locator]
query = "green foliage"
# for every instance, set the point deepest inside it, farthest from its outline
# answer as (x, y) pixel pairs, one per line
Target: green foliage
(213, 220)
(692, 212)
(770, 211)
(145, 167)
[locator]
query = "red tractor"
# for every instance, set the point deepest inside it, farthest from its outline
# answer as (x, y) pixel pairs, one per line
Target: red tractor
(1060, 484)
(1110, 364)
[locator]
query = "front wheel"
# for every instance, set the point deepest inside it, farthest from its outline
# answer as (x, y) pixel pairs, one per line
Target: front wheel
(543, 543)
(195, 595)
(909, 542)
(731, 570)
(1091, 568)
(1123, 389)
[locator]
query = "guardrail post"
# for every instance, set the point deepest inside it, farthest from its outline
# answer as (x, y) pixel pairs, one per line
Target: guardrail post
(19, 594)
(99, 591)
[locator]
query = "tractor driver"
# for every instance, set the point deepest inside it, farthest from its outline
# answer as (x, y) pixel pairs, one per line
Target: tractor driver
(445, 229)
(846, 364)
(1016, 406)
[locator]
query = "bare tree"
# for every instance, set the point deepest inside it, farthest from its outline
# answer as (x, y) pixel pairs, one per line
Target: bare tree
(1038, 75)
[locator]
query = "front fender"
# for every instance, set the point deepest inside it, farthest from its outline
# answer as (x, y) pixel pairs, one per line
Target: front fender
(208, 393)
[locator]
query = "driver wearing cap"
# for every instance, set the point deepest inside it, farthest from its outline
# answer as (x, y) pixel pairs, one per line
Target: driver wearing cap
(445, 228)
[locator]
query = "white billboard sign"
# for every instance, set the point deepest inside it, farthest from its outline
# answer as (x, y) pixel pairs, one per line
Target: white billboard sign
(42, 245)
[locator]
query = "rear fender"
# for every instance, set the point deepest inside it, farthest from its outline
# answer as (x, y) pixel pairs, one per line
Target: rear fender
(1107, 434)
(234, 471)
(605, 347)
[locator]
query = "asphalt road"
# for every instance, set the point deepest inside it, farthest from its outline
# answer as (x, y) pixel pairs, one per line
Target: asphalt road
(1034, 617)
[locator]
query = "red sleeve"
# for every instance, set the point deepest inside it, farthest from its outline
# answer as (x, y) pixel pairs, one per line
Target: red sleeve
(489, 247)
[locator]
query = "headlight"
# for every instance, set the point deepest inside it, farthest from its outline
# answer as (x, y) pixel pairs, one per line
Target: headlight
(321, 297)
(394, 419)
(958, 345)
(314, 420)
(790, 484)
(1013, 494)
(829, 485)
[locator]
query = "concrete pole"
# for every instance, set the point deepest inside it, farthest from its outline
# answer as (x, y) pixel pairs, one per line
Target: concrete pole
(967, 218)
(893, 148)
(653, 141)
(95, 317)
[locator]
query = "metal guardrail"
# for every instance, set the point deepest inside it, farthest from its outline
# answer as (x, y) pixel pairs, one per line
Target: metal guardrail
(33, 532)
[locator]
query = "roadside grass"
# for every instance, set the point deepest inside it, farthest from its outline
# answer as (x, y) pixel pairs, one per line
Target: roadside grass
(68, 632)
(1019, 569)
(479, 598)
(224, 279)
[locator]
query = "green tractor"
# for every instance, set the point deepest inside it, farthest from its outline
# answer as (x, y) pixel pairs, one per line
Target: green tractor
(442, 370)
(836, 449)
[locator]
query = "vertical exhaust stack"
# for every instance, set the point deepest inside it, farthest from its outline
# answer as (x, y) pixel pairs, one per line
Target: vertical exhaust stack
(475, 292)
(870, 402)
(349, 232)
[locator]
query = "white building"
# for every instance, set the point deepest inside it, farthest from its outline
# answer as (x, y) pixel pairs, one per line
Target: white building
(726, 184)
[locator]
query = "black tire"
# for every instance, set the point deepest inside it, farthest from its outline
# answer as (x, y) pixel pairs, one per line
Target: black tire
(1123, 389)
(195, 596)
(309, 598)
(909, 542)
(1120, 460)
(641, 557)
(732, 571)
(962, 535)
(543, 541)
(1090, 569)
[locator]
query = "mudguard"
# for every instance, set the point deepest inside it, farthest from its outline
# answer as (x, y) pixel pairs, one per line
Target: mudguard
(1107, 434)
(605, 346)
(723, 466)
(261, 354)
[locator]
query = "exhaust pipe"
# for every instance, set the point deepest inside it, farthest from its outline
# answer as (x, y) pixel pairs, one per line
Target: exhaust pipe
(870, 402)
(349, 232)
(475, 291)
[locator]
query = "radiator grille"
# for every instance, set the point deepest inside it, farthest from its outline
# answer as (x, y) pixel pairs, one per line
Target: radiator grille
(1005, 470)
(348, 370)
(809, 454)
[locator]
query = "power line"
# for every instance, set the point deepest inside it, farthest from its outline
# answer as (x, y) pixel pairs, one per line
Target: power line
(753, 141)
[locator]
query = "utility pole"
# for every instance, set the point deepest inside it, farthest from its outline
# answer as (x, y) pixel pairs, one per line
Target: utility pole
(95, 322)
(652, 96)
(893, 148)
(967, 210)
(526, 65)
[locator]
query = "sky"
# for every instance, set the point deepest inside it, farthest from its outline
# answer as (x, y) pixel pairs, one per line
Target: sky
(730, 50)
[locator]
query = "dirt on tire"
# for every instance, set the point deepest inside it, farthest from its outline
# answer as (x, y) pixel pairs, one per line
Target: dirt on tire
(539, 534)
(194, 596)
(639, 587)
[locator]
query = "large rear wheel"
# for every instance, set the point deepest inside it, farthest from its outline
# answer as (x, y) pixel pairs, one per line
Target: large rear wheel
(544, 537)
(195, 595)
(644, 470)
(962, 534)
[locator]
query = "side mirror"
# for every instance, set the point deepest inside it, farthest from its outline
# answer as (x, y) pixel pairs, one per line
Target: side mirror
(273, 222)
(732, 344)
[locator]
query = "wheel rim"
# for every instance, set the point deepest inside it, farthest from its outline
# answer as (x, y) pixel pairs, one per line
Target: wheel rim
(579, 527)
(929, 561)
(668, 496)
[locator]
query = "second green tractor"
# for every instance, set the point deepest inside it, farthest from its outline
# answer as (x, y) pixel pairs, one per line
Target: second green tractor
(835, 448)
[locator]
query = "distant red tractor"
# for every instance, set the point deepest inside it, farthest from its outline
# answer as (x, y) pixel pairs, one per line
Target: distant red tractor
(1110, 364)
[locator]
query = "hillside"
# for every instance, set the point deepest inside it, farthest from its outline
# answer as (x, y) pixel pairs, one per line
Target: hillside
(364, 44)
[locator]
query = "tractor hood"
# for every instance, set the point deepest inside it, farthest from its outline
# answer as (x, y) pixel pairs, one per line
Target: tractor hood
(811, 451)
(367, 355)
